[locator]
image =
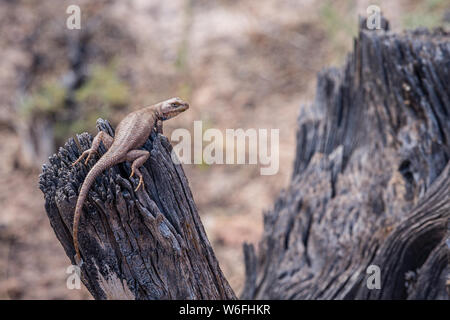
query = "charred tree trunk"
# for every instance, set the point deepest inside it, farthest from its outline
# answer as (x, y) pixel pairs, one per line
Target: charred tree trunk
(136, 245)
(370, 187)
(371, 180)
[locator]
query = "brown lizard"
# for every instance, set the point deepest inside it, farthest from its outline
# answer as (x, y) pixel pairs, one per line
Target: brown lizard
(131, 134)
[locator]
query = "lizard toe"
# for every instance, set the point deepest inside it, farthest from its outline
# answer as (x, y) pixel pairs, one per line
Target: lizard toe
(141, 183)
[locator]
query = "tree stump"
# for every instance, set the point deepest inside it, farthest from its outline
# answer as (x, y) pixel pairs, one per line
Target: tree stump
(371, 180)
(147, 244)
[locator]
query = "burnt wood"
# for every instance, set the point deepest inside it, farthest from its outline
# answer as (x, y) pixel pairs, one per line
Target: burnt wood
(136, 245)
(370, 184)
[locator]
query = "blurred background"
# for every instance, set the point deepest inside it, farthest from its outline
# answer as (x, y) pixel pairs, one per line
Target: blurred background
(240, 64)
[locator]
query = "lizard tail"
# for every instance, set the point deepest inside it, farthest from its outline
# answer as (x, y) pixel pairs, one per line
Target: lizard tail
(96, 170)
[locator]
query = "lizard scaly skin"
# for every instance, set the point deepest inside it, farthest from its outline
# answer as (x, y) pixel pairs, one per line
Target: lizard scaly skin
(131, 134)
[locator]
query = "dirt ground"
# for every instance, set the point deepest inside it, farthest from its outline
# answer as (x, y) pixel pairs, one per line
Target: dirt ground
(246, 65)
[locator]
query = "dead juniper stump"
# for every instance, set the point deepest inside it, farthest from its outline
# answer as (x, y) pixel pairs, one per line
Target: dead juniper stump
(147, 244)
(371, 181)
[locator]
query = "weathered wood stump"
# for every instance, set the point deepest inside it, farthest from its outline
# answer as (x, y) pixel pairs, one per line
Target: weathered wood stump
(371, 180)
(135, 245)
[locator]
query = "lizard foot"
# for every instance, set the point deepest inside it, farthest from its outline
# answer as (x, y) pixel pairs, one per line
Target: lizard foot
(141, 180)
(90, 155)
(87, 152)
(141, 183)
(138, 157)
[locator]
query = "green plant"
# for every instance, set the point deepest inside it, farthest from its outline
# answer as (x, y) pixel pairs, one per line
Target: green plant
(339, 26)
(102, 94)
(46, 100)
(103, 88)
(428, 14)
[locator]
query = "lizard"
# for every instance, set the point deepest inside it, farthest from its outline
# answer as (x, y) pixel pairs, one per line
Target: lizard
(131, 134)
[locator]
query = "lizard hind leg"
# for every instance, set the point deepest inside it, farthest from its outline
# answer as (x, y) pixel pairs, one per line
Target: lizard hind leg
(138, 157)
(100, 137)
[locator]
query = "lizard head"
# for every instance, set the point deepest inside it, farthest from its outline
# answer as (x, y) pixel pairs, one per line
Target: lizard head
(172, 107)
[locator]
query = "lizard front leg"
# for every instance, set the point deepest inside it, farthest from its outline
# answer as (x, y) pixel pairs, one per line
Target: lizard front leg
(159, 126)
(138, 157)
(100, 137)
